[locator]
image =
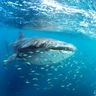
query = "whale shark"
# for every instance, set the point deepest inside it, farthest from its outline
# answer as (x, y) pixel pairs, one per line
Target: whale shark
(40, 50)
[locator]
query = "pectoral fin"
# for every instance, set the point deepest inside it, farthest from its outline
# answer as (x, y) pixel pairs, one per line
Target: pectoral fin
(11, 58)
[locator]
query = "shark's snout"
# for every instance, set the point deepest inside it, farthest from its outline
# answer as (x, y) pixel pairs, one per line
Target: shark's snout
(70, 47)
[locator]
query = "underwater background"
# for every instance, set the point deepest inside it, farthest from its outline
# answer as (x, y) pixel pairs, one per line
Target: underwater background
(72, 21)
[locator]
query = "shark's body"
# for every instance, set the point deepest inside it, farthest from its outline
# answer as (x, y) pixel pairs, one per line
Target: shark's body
(40, 50)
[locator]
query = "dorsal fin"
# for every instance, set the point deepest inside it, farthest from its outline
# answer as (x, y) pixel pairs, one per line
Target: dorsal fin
(20, 35)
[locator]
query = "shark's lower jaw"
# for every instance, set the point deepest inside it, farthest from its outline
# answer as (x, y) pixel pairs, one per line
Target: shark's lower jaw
(49, 56)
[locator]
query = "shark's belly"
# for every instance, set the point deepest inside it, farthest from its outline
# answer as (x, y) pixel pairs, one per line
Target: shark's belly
(45, 57)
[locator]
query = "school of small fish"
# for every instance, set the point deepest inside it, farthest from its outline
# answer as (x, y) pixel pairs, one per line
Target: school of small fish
(63, 75)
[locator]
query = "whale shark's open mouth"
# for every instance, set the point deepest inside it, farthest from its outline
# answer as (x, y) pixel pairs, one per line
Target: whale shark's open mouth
(62, 48)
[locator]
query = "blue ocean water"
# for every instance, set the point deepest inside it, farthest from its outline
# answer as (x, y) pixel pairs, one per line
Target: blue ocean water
(71, 21)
